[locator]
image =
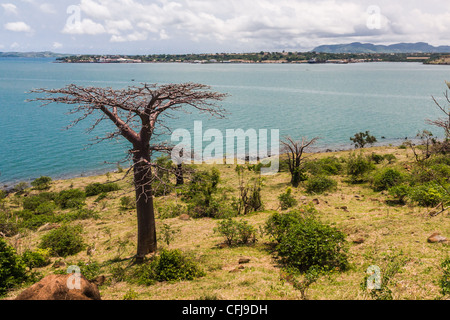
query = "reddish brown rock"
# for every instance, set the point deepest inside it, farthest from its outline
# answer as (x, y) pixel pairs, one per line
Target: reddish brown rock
(54, 287)
(437, 238)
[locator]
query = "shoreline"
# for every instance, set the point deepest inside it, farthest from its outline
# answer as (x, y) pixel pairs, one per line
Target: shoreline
(8, 186)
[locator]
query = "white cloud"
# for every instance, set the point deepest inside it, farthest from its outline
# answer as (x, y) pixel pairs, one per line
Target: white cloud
(14, 45)
(96, 10)
(47, 8)
(57, 45)
(85, 26)
(9, 7)
(19, 26)
(136, 36)
(234, 24)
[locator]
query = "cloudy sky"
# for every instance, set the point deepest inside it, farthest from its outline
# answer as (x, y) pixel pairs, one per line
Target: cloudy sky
(209, 26)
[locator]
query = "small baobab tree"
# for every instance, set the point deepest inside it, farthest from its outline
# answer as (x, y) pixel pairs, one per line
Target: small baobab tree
(139, 114)
(296, 151)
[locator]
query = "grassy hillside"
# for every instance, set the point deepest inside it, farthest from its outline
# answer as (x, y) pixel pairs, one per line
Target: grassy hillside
(376, 228)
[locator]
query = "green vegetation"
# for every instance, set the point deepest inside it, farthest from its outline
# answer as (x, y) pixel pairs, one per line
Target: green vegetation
(296, 250)
(236, 232)
(363, 139)
(320, 184)
(358, 167)
(96, 189)
(169, 265)
(12, 268)
(64, 241)
(42, 183)
(444, 282)
(287, 200)
(255, 57)
(304, 242)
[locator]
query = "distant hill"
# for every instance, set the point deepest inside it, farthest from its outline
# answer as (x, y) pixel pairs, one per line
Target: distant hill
(357, 47)
(45, 54)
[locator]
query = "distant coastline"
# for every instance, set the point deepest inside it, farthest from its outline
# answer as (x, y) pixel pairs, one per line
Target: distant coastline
(263, 58)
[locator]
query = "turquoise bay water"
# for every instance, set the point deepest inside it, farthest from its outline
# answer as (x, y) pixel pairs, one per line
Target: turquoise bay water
(331, 101)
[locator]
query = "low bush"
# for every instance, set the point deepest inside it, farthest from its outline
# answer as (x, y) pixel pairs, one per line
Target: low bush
(42, 183)
(428, 194)
(44, 199)
(72, 198)
(127, 203)
(304, 242)
(95, 189)
(201, 194)
(358, 166)
(12, 268)
(36, 259)
(287, 200)
(169, 265)
(279, 223)
(31, 221)
(170, 210)
(387, 178)
(400, 193)
(320, 184)
(9, 225)
(64, 241)
(325, 166)
(236, 232)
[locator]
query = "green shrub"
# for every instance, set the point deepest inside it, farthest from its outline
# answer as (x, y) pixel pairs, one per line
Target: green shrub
(428, 195)
(320, 184)
(170, 265)
(400, 193)
(9, 225)
(444, 282)
(12, 268)
(90, 270)
(325, 166)
(236, 232)
(127, 203)
(305, 242)
(42, 183)
(46, 208)
(3, 195)
(358, 166)
(170, 210)
(20, 188)
(78, 214)
(390, 266)
(95, 189)
(36, 259)
(387, 178)
(287, 200)
(64, 241)
(43, 199)
(72, 198)
(279, 223)
(203, 197)
(29, 220)
(390, 158)
(377, 158)
(101, 197)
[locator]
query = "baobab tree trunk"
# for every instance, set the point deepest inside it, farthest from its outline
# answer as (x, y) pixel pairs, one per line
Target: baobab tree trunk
(179, 175)
(144, 206)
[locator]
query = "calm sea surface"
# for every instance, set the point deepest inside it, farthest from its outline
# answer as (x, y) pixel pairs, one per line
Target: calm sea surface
(334, 102)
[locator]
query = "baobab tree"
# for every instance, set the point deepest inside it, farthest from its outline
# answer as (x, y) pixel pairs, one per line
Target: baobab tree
(295, 151)
(139, 114)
